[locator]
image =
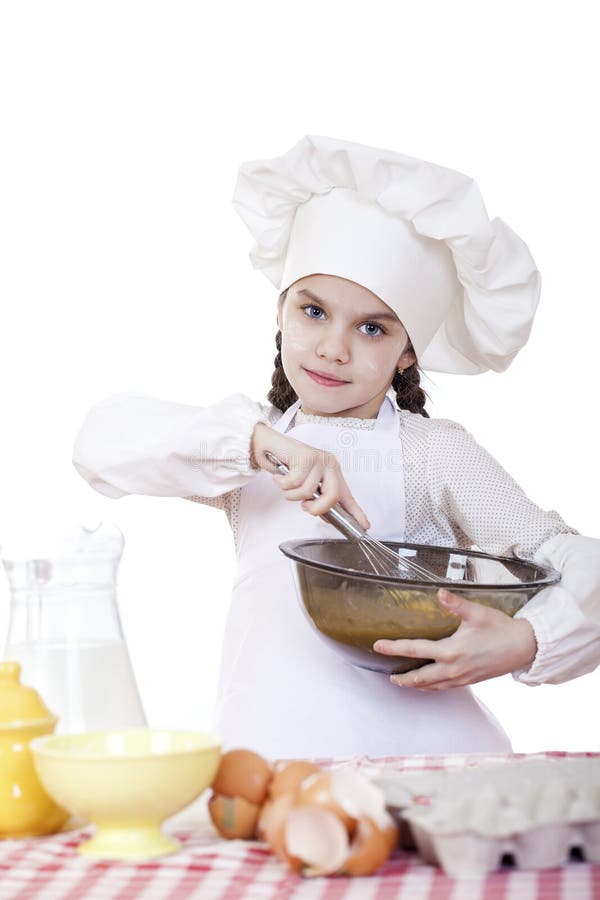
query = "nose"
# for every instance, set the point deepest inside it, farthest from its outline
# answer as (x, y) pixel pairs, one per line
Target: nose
(333, 345)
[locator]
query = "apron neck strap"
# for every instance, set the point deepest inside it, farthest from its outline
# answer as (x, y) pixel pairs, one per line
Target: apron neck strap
(283, 422)
(386, 418)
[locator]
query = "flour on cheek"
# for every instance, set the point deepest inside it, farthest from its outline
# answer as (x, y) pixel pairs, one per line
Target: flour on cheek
(293, 339)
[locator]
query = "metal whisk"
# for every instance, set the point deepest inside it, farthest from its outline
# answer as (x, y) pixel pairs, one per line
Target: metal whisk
(383, 561)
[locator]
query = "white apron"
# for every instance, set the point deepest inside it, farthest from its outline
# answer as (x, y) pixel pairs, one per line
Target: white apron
(282, 691)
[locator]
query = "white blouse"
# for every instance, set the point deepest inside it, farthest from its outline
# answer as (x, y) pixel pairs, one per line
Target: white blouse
(457, 494)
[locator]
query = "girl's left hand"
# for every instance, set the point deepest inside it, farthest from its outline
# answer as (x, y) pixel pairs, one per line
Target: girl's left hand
(486, 644)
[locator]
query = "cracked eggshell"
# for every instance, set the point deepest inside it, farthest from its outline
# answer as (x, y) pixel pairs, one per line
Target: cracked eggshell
(272, 821)
(317, 790)
(318, 838)
(345, 792)
(371, 846)
(335, 823)
(288, 775)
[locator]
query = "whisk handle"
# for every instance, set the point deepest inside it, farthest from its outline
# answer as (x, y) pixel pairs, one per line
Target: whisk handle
(336, 516)
(341, 519)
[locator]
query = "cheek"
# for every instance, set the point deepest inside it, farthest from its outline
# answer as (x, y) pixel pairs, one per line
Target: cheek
(293, 340)
(371, 367)
(374, 367)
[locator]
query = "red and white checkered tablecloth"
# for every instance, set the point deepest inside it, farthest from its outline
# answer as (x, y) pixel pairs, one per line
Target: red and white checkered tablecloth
(208, 867)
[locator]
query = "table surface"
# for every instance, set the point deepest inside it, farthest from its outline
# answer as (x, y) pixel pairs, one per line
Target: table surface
(207, 866)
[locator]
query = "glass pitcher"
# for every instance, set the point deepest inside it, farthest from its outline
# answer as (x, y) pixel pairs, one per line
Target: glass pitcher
(64, 628)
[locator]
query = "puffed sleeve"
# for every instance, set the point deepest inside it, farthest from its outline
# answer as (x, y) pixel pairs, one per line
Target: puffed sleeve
(565, 617)
(132, 443)
(488, 505)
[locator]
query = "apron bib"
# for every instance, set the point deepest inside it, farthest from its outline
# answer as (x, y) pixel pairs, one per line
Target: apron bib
(282, 691)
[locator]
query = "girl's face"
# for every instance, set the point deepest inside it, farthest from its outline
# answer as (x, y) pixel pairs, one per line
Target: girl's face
(339, 328)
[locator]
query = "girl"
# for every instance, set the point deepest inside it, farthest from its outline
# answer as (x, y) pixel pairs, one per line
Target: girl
(385, 265)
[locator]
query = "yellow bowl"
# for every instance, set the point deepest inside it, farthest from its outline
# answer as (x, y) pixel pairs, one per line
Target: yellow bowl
(127, 783)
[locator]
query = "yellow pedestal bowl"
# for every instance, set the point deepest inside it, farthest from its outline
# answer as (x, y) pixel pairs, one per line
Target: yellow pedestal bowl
(127, 783)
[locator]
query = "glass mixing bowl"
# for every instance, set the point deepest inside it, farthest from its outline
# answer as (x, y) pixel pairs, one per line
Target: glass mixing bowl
(351, 607)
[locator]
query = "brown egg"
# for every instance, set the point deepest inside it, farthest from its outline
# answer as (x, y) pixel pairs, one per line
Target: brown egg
(289, 775)
(233, 817)
(370, 847)
(243, 773)
(316, 790)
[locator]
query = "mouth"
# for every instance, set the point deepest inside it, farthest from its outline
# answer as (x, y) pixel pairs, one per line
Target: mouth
(324, 379)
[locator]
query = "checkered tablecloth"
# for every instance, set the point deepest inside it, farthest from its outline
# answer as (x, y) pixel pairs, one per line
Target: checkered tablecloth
(208, 867)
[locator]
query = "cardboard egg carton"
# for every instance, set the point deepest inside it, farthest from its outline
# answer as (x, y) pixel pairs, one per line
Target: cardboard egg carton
(467, 820)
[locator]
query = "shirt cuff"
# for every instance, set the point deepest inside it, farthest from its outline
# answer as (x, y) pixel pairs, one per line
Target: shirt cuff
(565, 617)
(248, 414)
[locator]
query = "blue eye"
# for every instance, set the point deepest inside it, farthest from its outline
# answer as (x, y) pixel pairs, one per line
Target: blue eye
(312, 307)
(381, 331)
(374, 325)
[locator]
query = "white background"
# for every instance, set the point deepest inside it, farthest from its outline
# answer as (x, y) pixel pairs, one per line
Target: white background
(125, 267)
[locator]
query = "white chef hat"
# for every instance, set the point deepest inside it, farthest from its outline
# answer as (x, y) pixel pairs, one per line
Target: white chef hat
(414, 233)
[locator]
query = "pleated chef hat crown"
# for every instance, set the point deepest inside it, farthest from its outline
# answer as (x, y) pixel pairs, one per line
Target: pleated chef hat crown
(415, 234)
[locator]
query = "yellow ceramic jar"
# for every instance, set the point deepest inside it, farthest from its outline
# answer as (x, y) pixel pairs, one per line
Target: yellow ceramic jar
(25, 807)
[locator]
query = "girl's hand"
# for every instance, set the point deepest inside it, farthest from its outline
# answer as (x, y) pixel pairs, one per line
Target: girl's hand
(309, 467)
(486, 644)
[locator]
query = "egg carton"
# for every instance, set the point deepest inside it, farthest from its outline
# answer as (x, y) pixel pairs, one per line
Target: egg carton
(468, 820)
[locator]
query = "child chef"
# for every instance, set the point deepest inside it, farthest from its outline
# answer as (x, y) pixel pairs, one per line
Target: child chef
(384, 265)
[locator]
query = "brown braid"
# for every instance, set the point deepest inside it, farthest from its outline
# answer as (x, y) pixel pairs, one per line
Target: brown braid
(409, 393)
(282, 394)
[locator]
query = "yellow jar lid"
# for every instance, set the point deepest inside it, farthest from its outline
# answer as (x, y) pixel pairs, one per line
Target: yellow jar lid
(19, 703)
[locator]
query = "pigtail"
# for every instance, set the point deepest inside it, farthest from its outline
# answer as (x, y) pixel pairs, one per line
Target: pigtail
(409, 393)
(282, 394)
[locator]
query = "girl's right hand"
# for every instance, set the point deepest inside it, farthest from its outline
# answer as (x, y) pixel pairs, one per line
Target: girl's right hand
(310, 468)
